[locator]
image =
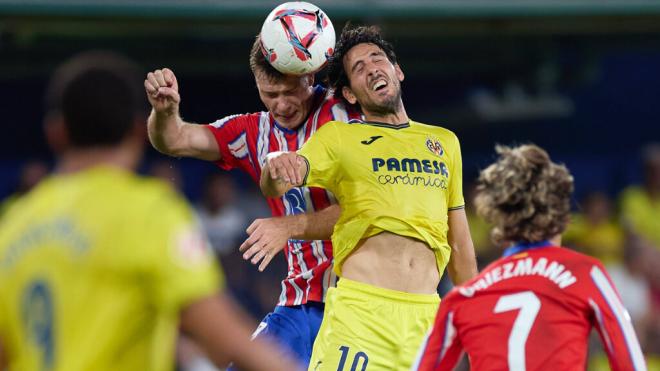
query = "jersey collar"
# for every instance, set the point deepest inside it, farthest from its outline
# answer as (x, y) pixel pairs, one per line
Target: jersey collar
(524, 246)
(381, 124)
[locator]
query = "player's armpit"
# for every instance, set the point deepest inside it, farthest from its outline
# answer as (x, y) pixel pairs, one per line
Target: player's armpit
(462, 262)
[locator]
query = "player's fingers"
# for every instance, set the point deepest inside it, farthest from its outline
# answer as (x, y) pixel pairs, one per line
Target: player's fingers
(260, 255)
(279, 172)
(150, 89)
(250, 241)
(255, 224)
(252, 251)
(160, 78)
(290, 170)
(272, 168)
(295, 176)
(245, 245)
(170, 94)
(152, 79)
(266, 261)
(170, 77)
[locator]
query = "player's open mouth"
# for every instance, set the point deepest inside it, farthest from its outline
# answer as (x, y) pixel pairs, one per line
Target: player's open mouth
(378, 85)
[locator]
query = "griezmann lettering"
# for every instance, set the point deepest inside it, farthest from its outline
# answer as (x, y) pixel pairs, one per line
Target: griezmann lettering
(552, 270)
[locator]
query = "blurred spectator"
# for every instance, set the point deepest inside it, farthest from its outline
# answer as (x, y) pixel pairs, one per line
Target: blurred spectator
(223, 221)
(31, 173)
(595, 230)
(167, 171)
(640, 209)
(630, 280)
(640, 205)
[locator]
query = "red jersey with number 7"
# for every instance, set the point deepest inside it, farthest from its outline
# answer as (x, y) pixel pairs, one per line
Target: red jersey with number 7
(532, 311)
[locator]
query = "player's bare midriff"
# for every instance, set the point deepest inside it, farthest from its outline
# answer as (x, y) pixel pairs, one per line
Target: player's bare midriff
(393, 262)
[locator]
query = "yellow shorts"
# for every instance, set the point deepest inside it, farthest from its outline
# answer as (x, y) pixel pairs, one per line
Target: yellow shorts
(368, 328)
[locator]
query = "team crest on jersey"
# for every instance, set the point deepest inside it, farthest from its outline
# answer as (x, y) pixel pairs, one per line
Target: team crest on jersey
(434, 146)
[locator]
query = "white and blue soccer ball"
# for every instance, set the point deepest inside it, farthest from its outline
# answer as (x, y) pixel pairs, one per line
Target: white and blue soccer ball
(297, 38)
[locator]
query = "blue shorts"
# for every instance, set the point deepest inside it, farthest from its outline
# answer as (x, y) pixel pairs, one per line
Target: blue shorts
(294, 328)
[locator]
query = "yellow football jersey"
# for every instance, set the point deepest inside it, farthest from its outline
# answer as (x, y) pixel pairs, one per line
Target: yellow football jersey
(401, 179)
(94, 269)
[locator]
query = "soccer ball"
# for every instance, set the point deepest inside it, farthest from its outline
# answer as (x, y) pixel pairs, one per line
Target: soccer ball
(297, 38)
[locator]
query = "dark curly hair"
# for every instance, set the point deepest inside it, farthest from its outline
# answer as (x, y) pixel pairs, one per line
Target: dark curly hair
(524, 195)
(350, 37)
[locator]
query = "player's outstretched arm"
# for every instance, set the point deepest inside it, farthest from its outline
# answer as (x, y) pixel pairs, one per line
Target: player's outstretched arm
(168, 133)
(268, 236)
(462, 262)
(223, 331)
(281, 172)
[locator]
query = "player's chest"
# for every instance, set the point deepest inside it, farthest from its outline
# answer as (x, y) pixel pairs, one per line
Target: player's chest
(393, 152)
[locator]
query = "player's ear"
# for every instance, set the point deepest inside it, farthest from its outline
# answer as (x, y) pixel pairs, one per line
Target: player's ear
(310, 79)
(348, 95)
(56, 133)
(399, 72)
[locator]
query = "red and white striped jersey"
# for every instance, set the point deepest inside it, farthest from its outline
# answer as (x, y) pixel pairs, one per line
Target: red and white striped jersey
(244, 141)
(532, 310)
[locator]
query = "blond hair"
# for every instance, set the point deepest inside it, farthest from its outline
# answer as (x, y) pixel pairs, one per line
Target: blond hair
(524, 195)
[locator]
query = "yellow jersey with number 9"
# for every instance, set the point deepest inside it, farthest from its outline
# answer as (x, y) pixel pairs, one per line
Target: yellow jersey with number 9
(403, 179)
(94, 269)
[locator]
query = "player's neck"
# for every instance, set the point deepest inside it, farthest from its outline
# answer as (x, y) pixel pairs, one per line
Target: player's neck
(556, 240)
(400, 117)
(76, 160)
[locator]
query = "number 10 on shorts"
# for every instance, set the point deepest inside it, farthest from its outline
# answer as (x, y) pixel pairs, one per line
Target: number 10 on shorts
(358, 358)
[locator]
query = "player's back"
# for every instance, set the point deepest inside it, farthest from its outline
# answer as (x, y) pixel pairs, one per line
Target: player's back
(83, 286)
(535, 310)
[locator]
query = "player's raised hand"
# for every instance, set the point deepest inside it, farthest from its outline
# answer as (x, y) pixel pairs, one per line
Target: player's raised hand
(286, 167)
(163, 91)
(266, 238)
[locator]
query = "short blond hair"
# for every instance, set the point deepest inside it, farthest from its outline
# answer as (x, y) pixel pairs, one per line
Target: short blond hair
(524, 195)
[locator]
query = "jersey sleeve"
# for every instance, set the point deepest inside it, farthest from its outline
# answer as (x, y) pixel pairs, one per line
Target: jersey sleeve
(455, 193)
(230, 134)
(442, 348)
(337, 110)
(181, 268)
(320, 152)
(613, 323)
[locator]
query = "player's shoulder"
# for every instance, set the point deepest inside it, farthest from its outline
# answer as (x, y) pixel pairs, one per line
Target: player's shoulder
(332, 108)
(440, 132)
(575, 261)
(243, 119)
(154, 192)
(138, 194)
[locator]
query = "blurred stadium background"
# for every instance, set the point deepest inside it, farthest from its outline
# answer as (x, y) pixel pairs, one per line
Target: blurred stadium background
(578, 77)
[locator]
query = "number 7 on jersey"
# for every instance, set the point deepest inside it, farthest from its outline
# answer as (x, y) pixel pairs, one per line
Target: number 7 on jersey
(529, 305)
